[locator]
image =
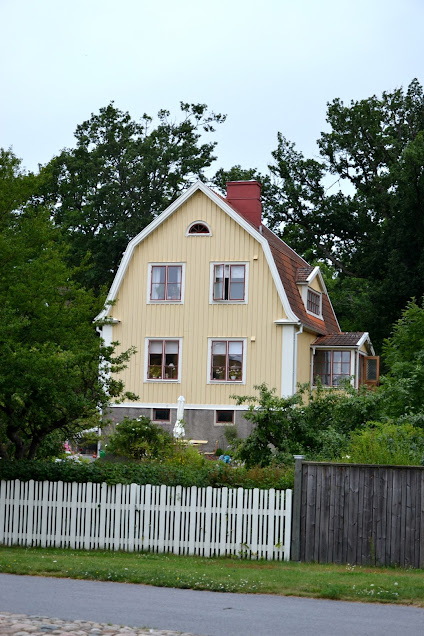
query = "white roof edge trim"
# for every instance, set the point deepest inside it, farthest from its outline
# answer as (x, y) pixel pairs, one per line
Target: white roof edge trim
(312, 275)
(199, 185)
(366, 338)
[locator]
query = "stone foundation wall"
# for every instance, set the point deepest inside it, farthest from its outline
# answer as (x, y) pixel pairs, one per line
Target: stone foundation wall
(199, 424)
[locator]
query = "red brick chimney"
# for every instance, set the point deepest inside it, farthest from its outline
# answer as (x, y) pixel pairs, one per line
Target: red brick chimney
(245, 196)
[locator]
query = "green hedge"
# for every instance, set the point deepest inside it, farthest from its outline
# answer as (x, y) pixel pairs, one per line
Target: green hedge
(149, 472)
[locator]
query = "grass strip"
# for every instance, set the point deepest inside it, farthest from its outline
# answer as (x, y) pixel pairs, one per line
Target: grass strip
(341, 582)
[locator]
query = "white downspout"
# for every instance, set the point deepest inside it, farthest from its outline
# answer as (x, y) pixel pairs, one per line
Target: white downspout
(296, 335)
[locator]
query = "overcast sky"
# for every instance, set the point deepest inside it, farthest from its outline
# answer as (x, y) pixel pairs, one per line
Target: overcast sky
(270, 66)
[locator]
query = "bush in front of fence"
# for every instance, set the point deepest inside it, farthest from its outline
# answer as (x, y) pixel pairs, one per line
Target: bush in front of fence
(150, 472)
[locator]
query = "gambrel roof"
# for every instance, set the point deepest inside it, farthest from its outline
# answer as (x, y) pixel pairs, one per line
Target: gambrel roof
(287, 268)
(288, 264)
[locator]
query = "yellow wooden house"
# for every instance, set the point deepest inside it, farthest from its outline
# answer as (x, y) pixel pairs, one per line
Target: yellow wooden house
(214, 304)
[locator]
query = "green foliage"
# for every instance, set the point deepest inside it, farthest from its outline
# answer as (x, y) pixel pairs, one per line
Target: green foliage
(387, 443)
(49, 350)
(368, 224)
(140, 438)
(121, 174)
(316, 424)
(16, 187)
(86, 438)
(403, 385)
(231, 436)
(216, 474)
(277, 429)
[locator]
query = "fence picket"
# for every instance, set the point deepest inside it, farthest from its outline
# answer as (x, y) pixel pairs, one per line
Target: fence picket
(204, 521)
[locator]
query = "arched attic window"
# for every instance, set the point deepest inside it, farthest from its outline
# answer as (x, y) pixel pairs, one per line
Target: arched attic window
(198, 228)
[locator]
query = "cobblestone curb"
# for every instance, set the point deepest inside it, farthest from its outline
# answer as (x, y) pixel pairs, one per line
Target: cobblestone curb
(22, 625)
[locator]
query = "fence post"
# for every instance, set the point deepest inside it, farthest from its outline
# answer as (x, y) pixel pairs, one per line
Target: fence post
(297, 497)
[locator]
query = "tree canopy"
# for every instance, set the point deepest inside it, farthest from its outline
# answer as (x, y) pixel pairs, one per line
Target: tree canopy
(49, 350)
(121, 174)
(359, 208)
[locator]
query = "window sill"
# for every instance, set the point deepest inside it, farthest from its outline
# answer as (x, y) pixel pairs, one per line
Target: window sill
(311, 313)
(228, 302)
(226, 382)
(165, 302)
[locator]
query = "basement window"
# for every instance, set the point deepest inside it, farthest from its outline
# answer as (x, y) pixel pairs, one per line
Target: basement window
(224, 418)
(161, 415)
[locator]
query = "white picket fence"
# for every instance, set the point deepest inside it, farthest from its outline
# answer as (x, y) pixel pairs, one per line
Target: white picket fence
(202, 521)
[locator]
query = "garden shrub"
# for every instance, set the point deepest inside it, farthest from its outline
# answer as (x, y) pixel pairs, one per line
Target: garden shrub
(387, 442)
(140, 438)
(215, 474)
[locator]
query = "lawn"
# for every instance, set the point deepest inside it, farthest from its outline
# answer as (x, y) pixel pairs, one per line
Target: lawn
(344, 582)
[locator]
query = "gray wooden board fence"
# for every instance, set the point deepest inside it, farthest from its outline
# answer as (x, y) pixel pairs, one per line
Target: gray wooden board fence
(360, 514)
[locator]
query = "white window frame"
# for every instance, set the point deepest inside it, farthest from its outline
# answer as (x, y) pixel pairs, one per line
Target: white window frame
(203, 233)
(149, 284)
(352, 377)
(146, 378)
(212, 301)
(305, 289)
(243, 366)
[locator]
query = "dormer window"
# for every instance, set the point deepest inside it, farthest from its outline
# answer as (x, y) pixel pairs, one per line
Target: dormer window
(313, 302)
(199, 228)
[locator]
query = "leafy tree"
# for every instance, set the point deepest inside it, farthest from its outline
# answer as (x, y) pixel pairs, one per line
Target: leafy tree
(121, 174)
(269, 190)
(358, 207)
(277, 429)
(403, 385)
(49, 350)
(16, 186)
(376, 233)
(316, 423)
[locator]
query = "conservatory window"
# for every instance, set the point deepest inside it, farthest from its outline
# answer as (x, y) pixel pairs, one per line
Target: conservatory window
(332, 367)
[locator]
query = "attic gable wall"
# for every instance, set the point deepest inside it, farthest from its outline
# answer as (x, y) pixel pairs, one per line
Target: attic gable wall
(197, 319)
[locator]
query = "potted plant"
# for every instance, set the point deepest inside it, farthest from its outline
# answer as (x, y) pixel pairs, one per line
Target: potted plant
(155, 372)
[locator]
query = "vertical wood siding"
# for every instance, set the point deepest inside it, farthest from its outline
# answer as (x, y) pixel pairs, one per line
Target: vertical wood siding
(197, 319)
(203, 521)
(362, 514)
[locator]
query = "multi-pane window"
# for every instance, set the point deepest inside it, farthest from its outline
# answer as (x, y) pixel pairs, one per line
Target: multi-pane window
(369, 370)
(227, 360)
(166, 283)
(199, 228)
(314, 302)
(229, 282)
(163, 360)
(332, 367)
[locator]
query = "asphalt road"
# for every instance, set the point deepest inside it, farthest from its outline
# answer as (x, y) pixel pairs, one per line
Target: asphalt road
(203, 613)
